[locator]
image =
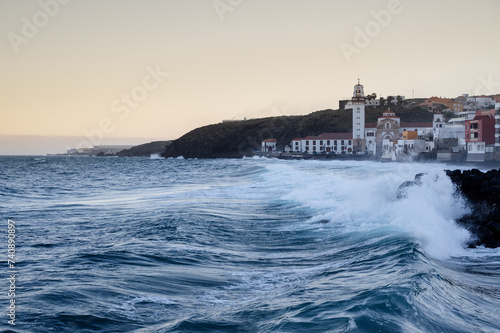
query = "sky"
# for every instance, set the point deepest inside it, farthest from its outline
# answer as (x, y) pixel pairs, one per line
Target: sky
(77, 72)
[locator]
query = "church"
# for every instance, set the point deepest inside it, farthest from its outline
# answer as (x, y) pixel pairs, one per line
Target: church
(387, 137)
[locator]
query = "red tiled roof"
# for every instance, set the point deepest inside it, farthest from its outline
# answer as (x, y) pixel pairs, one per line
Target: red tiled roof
(370, 125)
(330, 136)
(335, 136)
(439, 100)
(388, 114)
(270, 140)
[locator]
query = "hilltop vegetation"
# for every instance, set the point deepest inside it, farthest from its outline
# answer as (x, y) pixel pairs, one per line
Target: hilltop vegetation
(236, 139)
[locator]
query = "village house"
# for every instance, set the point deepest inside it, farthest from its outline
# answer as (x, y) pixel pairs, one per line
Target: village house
(449, 137)
(329, 143)
(474, 131)
(485, 102)
(269, 146)
(480, 138)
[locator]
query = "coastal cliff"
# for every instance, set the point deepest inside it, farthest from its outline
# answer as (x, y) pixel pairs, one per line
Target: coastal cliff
(482, 190)
(240, 138)
(147, 149)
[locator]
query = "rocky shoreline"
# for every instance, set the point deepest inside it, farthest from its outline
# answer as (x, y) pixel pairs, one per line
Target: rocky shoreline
(482, 190)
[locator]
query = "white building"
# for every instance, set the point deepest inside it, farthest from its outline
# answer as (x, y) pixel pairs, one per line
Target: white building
(451, 131)
(485, 101)
(371, 138)
(462, 117)
(326, 143)
(478, 102)
(372, 102)
(269, 146)
(411, 147)
(476, 151)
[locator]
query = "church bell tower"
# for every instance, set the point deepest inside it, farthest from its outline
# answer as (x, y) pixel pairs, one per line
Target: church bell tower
(358, 118)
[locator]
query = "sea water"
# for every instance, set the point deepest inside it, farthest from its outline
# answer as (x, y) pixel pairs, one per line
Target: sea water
(249, 245)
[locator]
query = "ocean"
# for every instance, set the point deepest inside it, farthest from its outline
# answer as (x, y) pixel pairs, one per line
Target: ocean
(249, 245)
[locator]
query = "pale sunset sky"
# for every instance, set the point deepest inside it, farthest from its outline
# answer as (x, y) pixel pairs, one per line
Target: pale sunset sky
(143, 70)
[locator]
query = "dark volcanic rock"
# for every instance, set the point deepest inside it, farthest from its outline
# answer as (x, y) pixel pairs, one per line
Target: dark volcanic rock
(482, 190)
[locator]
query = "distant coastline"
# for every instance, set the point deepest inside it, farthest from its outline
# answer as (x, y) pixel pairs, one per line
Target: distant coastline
(364, 128)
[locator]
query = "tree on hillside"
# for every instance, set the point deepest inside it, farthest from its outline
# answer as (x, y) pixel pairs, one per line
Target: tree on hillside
(382, 102)
(448, 115)
(400, 100)
(389, 100)
(373, 96)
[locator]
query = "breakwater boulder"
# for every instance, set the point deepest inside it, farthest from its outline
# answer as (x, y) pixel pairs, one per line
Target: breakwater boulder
(482, 190)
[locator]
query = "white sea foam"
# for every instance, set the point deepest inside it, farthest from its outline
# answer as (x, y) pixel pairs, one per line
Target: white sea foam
(361, 196)
(156, 157)
(131, 304)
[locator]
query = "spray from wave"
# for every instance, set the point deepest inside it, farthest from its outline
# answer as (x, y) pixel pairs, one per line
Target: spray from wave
(367, 200)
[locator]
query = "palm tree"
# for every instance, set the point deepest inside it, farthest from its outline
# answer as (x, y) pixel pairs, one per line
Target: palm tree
(389, 100)
(400, 100)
